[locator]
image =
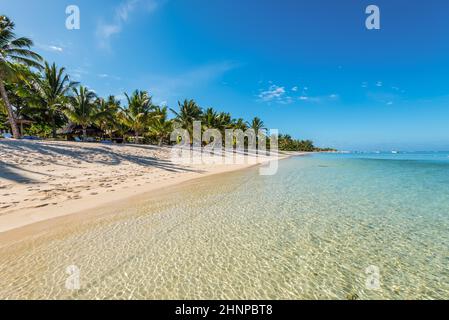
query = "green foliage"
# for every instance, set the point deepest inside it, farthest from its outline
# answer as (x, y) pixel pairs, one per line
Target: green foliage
(287, 143)
(139, 112)
(108, 109)
(160, 128)
(51, 99)
(188, 112)
(256, 124)
(51, 92)
(3, 119)
(14, 51)
(39, 130)
(15, 55)
(82, 109)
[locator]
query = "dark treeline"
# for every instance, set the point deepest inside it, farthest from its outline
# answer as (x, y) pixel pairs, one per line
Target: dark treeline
(39, 99)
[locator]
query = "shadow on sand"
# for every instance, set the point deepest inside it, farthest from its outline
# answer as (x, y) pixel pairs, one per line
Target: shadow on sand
(88, 152)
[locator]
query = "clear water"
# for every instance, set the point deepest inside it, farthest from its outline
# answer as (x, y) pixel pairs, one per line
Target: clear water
(308, 232)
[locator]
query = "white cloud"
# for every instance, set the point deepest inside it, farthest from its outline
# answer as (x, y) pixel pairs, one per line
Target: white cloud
(318, 99)
(52, 48)
(121, 15)
(278, 94)
(274, 92)
(108, 76)
(55, 48)
(77, 73)
(379, 84)
(105, 31)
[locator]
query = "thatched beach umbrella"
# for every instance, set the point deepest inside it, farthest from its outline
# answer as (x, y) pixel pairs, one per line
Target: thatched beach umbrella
(21, 122)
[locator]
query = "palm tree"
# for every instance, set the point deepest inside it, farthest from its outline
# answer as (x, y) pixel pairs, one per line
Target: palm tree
(52, 92)
(239, 124)
(108, 109)
(20, 93)
(210, 119)
(12, 50)
(257, 125)
(224, 121)
(83, 110)
(189, 112)
(138, 113)
(160, 126)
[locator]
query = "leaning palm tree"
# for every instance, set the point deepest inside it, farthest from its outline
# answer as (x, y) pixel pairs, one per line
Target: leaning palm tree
(138, 113)
(161, 127)
(52, 92)
(20, 94)
(13, 50)
(82, 110)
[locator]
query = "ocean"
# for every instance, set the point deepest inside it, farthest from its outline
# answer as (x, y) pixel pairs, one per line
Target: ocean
(326, 226)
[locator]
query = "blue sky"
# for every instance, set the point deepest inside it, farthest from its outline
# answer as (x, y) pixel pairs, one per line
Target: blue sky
(309, 68)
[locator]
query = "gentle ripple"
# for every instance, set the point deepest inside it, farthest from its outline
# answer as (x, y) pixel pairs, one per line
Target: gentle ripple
(308, 232)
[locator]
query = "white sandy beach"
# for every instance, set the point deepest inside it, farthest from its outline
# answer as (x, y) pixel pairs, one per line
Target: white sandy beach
(45, 180)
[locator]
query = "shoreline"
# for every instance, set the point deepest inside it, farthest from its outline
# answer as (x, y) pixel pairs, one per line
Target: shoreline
(20, 223)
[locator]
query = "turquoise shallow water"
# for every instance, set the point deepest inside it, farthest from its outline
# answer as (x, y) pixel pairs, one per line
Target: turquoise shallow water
(309, 232)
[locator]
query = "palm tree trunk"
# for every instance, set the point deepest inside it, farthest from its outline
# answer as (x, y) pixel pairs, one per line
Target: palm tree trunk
(160, 141)
(84, 134)
(53, 127)
(11, 118)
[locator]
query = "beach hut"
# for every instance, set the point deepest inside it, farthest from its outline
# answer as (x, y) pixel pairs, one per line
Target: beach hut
(21, 123)
(72, 130)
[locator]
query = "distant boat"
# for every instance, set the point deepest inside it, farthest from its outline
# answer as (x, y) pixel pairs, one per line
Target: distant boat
(394, 152)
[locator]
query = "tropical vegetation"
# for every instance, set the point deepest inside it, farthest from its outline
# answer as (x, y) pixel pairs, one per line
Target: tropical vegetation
(43, 96)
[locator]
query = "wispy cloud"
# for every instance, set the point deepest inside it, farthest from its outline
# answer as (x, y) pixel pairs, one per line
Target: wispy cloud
(386, 98)
(50, 47)
(121, 15)
(280, 95)
(167, 87)
(316, 99)
(108, 76)
(78, 73)
(273, 93)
